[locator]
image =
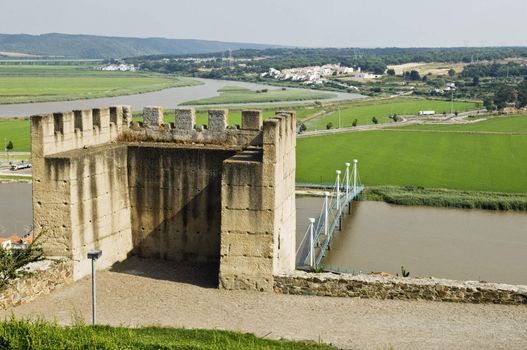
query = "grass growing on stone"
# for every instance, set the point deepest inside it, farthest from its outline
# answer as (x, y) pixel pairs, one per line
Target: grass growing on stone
(37, 335)
(240, 95)
(364, 111)
(452, 160)
(22, 84)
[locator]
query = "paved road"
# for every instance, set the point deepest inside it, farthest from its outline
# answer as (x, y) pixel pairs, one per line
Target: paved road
(151, 292)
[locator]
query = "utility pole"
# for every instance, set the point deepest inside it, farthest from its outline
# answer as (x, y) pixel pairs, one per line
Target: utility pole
(452, 103)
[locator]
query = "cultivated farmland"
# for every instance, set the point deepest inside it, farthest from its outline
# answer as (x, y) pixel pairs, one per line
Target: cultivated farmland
(22, 83)
(470, 160)
(382, 109)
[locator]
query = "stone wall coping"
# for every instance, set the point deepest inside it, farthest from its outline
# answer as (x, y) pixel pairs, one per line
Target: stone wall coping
(425, 281)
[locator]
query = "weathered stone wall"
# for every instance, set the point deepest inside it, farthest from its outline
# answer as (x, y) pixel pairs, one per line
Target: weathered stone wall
(80, 189)
(45, 276)
(175, 193)
(279, 160)
(258, 209)
(168, 190)
(182, 128)
(402, 288)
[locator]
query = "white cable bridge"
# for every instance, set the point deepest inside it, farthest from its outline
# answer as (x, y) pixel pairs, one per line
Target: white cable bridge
(320, 232)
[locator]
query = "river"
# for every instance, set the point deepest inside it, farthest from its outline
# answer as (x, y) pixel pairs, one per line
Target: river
(168, 98)
(15, 208)
(447, 243)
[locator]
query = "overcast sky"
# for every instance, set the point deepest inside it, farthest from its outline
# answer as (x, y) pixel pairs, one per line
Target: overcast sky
(316, 23)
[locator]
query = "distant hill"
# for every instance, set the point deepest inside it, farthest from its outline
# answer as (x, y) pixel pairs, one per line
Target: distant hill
(92, 46)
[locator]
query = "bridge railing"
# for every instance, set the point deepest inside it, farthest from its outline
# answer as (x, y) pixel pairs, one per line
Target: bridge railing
(318, 235)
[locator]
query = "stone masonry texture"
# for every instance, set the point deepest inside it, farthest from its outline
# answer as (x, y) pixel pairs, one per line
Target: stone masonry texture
(218, 195)
(402, 288)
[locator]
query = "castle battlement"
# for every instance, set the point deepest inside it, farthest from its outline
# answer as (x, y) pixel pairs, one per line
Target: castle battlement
(168, 188)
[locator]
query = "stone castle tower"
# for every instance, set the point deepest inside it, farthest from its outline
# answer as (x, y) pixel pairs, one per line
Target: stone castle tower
(168, 189)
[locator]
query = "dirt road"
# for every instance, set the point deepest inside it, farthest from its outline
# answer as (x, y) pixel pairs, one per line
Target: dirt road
(149, 292)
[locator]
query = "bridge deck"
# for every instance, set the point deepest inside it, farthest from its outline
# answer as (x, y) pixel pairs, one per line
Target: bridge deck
(322, 242)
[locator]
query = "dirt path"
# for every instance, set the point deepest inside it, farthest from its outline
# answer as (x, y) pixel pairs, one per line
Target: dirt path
(170, 297)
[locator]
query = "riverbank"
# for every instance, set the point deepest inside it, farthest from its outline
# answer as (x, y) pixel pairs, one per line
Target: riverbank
(443, 198)
(432, 197)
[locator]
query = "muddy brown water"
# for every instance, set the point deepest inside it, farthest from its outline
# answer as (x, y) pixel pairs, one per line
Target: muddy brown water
(447, 243)
(16, 213)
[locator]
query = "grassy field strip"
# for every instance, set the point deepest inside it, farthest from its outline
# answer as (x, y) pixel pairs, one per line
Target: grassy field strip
(403, 129)
(26, 83)
(39, 89)
(229, 95)
(516, 123)
(381, 109)
(477, 162)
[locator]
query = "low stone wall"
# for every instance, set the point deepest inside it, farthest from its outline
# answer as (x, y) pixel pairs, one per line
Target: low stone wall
(401, 288)
(45, 276)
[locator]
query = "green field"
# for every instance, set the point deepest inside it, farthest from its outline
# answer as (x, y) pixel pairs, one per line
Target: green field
(512, 124)
(230, 94)
(40, 335)
(477, 161)
(16, 131)
(382, 109)
(21, 84)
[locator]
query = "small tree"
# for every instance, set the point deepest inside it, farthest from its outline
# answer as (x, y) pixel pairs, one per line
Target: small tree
(390, 72)
(12, 261)
(355, 122)
(9, 146)
(329, 125)
(374, 120)
(303, 127)
(451, 73)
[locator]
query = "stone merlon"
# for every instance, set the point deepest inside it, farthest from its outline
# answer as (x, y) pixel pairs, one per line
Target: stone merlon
(169, 189)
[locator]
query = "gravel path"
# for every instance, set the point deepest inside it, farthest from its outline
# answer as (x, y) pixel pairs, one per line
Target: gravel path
(186, 297)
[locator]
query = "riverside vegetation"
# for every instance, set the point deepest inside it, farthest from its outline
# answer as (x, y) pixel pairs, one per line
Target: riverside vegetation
(419, 196)
(243, 95)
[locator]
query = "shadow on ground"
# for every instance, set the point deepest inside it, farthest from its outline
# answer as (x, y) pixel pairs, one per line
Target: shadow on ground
(202, 275)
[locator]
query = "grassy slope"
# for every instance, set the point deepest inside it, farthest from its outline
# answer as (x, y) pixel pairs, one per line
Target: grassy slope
(248, 96)
(39, 335)
(364, 111)
(19, 84)
(471, 161)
